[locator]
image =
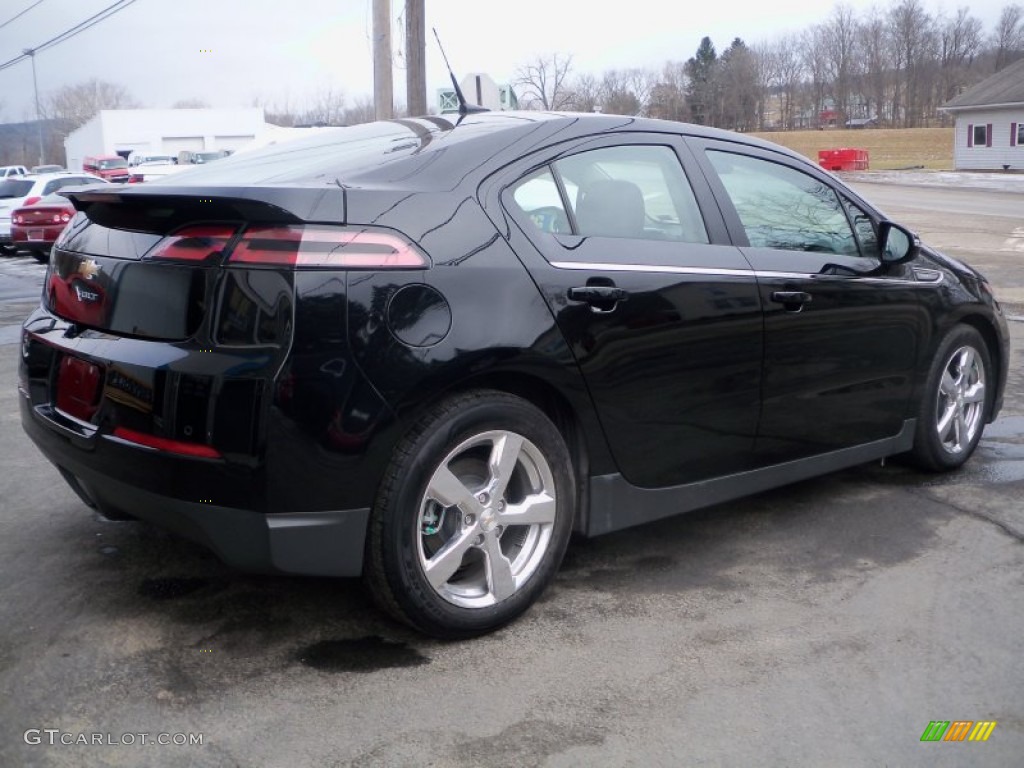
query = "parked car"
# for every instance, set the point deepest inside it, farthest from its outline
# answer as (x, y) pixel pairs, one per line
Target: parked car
(186, 157)
(138, 158)
(149, 171)
(35, 227)
(113, 168)
(426, 351)
(48, 168)
(6, 171)
(25, 190)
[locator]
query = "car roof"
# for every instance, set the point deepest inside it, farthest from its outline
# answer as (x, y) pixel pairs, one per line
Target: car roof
(395, 153)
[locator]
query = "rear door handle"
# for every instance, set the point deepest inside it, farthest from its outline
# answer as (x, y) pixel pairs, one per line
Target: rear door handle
(597, 294)
(792, 300)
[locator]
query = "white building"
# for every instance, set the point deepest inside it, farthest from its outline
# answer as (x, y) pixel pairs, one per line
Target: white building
(990, 123)
(162, 132)
(478, 89)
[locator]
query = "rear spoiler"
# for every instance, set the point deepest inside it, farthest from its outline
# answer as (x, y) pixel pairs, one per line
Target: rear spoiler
(160, 208)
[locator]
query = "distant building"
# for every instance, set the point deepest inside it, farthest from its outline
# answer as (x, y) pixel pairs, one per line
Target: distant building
(162, 132)
(862, 122)
(989, 132)
(478, 89)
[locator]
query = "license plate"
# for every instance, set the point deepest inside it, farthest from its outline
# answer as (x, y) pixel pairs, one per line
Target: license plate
(36, 234)
(78, 387)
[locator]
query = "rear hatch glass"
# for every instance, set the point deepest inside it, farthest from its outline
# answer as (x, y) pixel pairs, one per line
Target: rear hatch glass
(11, 188)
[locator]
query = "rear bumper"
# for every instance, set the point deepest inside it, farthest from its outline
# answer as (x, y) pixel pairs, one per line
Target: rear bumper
(328, 543)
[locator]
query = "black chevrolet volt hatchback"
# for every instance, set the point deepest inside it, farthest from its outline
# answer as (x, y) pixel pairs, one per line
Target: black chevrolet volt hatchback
(426, 351)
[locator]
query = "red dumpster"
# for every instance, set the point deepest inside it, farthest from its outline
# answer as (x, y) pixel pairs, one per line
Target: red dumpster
(843, 159)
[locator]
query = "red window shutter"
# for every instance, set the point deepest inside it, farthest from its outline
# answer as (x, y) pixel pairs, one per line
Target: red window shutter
(988, 135)
(1013, 134)
(970, 135)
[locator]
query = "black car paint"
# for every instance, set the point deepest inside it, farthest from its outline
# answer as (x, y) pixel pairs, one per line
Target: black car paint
(321, 408)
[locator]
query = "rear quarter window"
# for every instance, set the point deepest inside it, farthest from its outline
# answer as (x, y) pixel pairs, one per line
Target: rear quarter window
(10, 188)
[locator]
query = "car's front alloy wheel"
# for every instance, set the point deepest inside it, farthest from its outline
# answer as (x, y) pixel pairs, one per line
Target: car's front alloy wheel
(956, 400)
(473, 517)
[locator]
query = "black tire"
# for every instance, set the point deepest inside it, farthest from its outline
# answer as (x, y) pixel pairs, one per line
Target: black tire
(410, 529)
(940, 449)
(8, 250)
(43, 257)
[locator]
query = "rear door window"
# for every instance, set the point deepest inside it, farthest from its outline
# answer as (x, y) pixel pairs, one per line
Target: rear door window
(638, 192)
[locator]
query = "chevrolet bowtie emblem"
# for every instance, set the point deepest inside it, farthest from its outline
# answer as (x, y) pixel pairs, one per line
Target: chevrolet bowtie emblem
(89, 269)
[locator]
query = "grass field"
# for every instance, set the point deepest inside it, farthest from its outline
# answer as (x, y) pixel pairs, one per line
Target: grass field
(888, 148)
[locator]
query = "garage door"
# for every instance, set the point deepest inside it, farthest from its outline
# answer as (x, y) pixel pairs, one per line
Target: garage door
(172, 145)
(232, 142)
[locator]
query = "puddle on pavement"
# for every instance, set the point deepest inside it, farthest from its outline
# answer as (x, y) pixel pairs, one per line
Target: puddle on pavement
(170, 588)
(1005, 426)
(361, 654)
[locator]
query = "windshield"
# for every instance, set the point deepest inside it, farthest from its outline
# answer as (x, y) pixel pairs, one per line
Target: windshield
(107, 165)
(15, 188)
(206, 157)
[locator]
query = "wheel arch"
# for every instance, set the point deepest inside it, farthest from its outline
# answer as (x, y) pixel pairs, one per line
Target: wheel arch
(557, 406)
(990, 336)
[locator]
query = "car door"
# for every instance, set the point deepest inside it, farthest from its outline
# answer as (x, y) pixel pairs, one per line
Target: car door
(661, 313)
(841, 330)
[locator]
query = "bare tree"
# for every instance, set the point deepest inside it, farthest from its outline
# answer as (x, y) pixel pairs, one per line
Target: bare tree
(190, 104)
(959, 41)
(545, 82)
(617, 94)
(814, 54)
(667, 99)
(841, 60)
(361, 111)
(913, 46)
(789, 71)
(74, 105)
(585, 94)
(327, 107)
(1008, 37)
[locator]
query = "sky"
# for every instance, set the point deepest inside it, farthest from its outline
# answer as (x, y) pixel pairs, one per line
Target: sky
(229, 53)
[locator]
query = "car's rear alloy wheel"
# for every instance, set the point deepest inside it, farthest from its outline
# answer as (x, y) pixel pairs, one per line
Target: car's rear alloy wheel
(473, 517)
(955, 406)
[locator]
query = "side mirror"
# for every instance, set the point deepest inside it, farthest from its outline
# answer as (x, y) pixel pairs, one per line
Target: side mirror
(896, 244)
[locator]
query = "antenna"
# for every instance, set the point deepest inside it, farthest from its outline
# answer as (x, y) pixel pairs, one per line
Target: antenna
(464, 108)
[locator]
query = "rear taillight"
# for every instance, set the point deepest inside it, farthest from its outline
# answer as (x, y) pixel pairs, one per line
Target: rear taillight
(65, 217)
(312, 245)
(195, 242)
(18, 218)
(32, 200)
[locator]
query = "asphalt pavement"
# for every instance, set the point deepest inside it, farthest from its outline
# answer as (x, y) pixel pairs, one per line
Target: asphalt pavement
(822, 624)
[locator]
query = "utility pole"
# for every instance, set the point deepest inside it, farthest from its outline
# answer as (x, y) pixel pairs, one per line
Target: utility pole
(35, 87)
(383, 88)
(415, 58)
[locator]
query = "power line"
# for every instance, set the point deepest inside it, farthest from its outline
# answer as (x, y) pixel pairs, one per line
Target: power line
(93, 20)
(18, 16)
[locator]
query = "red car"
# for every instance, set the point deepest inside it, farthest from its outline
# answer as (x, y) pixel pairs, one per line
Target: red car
(35, 227)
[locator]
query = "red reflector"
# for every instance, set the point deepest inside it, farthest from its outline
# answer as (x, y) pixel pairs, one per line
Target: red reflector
(163, 444)
(195, 242)
(78, 387)
(322, 246)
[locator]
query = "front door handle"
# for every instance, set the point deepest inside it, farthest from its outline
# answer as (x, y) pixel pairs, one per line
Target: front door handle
(792, 300)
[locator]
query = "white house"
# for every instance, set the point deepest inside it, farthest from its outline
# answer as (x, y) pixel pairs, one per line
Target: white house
(479, 89)
(990, 122)
(162, 132)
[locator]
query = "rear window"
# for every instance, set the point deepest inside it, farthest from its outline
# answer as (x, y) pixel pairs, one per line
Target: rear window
(110, 164)
(324, 156)
(10, 188)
